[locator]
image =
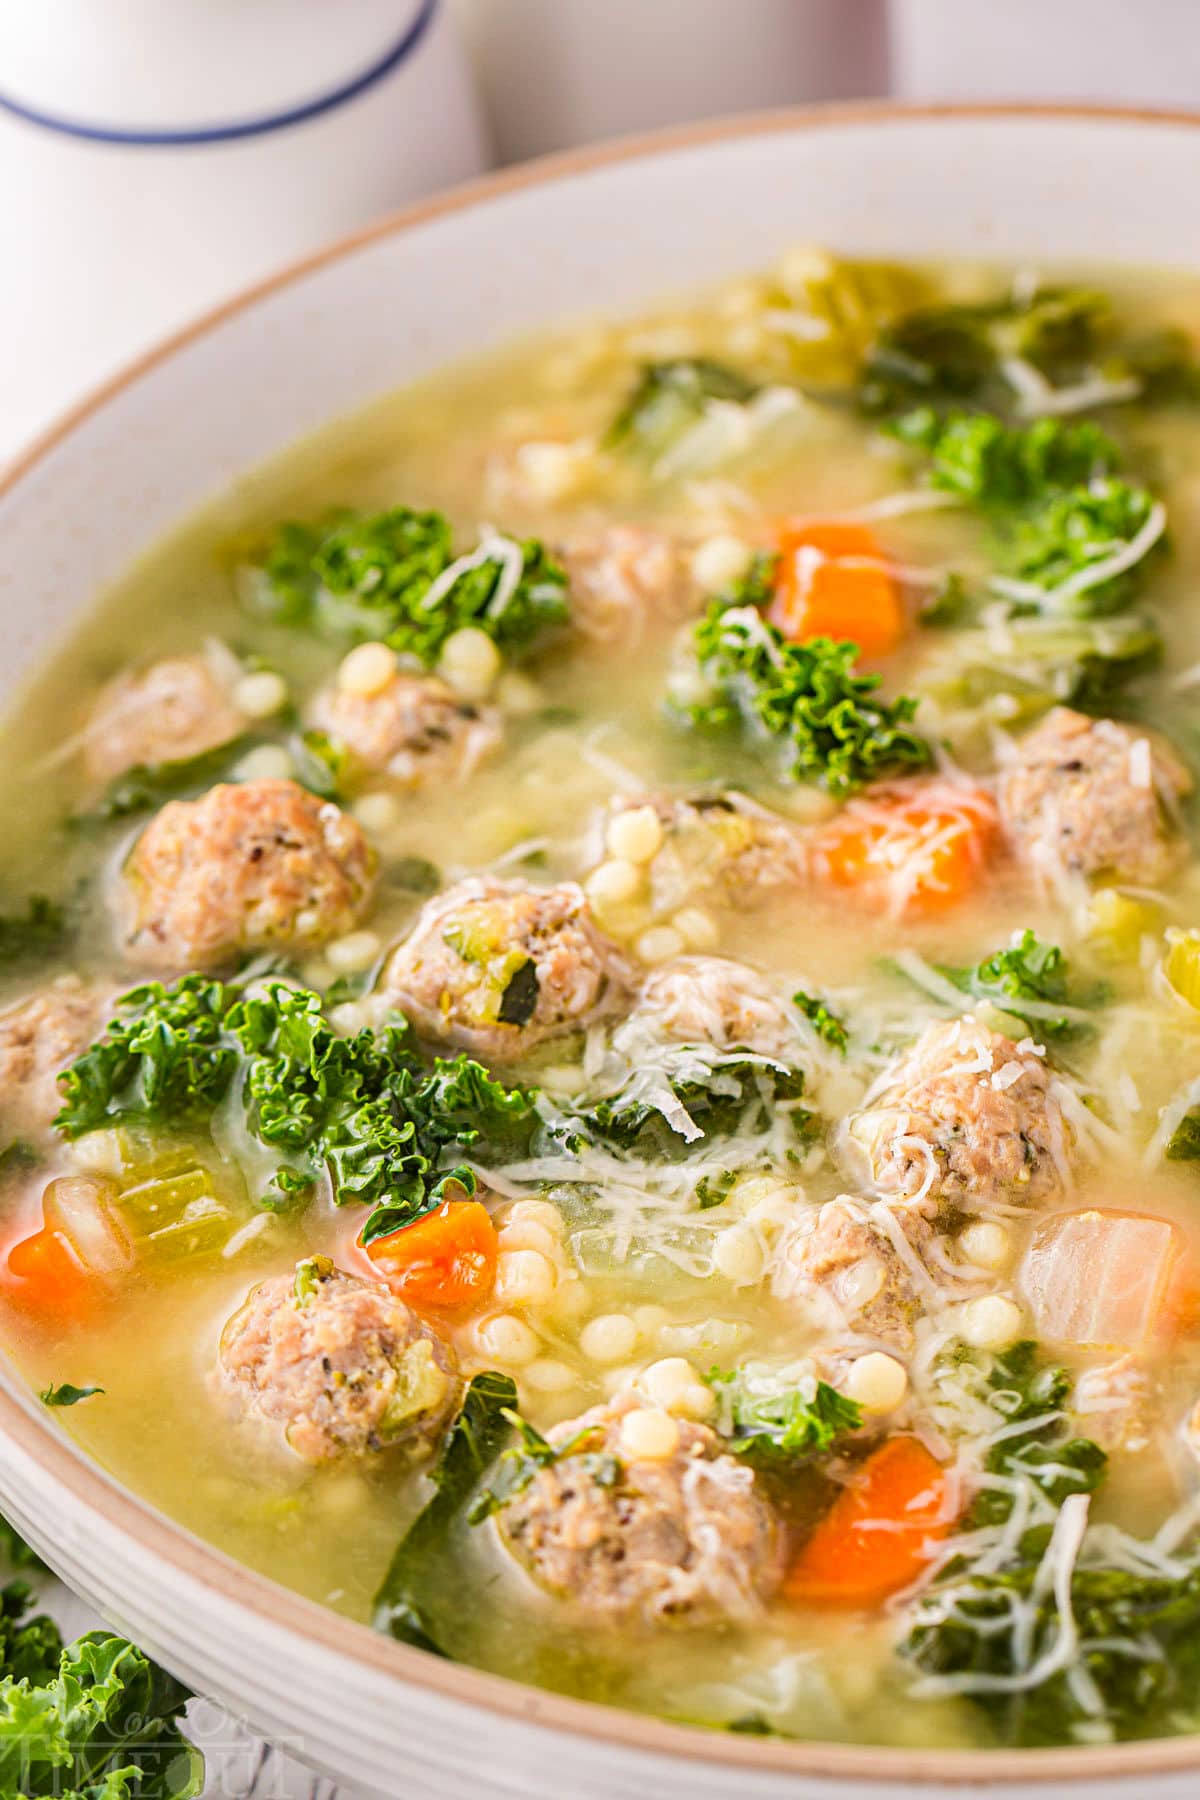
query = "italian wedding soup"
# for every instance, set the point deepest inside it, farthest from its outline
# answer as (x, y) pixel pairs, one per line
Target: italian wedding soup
(600, 1062)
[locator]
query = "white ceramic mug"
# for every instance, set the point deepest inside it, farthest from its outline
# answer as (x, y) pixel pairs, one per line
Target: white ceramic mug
(154, 157)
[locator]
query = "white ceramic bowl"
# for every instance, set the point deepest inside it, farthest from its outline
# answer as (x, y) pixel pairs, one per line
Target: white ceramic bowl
(603, 231)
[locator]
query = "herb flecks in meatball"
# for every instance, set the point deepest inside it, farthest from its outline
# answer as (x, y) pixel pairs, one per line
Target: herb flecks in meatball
(415, 730)
(342, 1364)
(496, 968)
(1090, 797)
(628, 1538)
(171, 711)
(966, 1118)
(255, 866)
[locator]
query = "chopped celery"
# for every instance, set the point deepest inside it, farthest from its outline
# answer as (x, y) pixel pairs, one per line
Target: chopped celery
(828, 310)
(176, 1215)
(1181, 965)
(671, 1261)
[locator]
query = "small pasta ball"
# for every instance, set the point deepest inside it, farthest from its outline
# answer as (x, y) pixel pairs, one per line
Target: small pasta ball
(570, 1297)
(518, 695)
(697, 928)
(720, 561)
(986, 1244)
(470, 662)
(649, 1434)
(660, 944)
(366, 670)
(608, 1338)
(613, 883)
(524, 1278)
(535, 1212)
(737, 1255)
(266, 762)
(666, 1382)
(876, 1381)
(506, 1340)
(990, 1323)
(650, 1319)
(551, 471)
(528, 1234)
(635, 835)
(351, 954)
(377, 813)
(260, 695)
(546, 1375)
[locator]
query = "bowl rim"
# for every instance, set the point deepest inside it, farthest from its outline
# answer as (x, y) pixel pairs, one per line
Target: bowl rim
(245, 1588)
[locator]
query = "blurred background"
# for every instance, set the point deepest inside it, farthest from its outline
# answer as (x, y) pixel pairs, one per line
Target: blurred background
(156, 157)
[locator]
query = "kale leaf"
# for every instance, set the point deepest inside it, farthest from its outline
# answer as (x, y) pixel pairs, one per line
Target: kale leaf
(388, 576)
(365, 1108)
(148, 785)
(67, 1394)
(39, 932)
(1025, 980)
(521, 1462)
(828, 1027)
(94, 1720)
(668, 399)
(482, 1430)
(1028, 1391)
(778, 1430)
(979, 458)
(740, 1089)
(807, 698)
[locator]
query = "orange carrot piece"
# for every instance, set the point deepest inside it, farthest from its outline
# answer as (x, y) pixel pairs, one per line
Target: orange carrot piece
(833, 582)
(447, 1259)
(874, 1540)
(915, 846)
(49, 1278)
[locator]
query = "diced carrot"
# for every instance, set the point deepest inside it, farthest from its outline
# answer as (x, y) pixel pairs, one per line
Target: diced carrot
(875, 1538)
(49, 1277)
(446, 1259)
(833, 582)
(912, 846)
(1100, 1279)
(1180, 1314)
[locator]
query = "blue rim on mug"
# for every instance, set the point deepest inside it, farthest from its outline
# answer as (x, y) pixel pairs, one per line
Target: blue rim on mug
(240, 128)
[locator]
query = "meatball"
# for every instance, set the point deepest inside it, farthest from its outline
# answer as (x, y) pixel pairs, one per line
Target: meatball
(1090, 797)
(256, 866)
(857, 1268)
(629, 1540)
(497, 967)
(964, 1118)
(169, 712)
(342, 1364)
(39, 1036)
(721, 844)
(713, 1000)
(416, 730)
(624, 580)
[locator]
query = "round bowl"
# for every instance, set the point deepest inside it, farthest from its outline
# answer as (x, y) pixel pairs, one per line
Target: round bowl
(601, 230)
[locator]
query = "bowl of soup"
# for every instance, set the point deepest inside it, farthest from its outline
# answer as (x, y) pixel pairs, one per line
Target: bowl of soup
(600, 1037)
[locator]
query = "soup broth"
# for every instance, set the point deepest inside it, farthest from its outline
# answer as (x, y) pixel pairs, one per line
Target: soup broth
(614, 941)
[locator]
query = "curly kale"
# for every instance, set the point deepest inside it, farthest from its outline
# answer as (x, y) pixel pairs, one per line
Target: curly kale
(979, 458)
(1035, 1394)
(826, 719)
(387, 576)
(828, 1027)
(92, 1720)
(719, 1096)
(1034, 976)
(364, 1109)
(668, 399)
(776, 1430)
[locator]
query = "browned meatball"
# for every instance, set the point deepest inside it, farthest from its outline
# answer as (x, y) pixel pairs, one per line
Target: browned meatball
(627, 1539)
(713, 1000)
(497, 967)
(858, 1268)
(1090, 797)
(173, 710)
(415, 730)
(624, 580)
(963, 1118)
(719, 844)
(255, 866)
(39, 1036)
(342, 1364)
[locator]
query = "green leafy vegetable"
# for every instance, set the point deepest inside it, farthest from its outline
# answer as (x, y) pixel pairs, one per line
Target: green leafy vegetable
(14, 1550)
(1030, 980)
(825, 1023)
(1183, 1145)
(977, 457)
(1027, 1391)
(39, 932)
(737, 1090)
(149, 785)
(520, 1463)
(95, 1720)
(482, 1430)
(668, 399)
(66, 1394)
(778, 1429)
(393, 576)
(806, 698)
(365, 1108)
